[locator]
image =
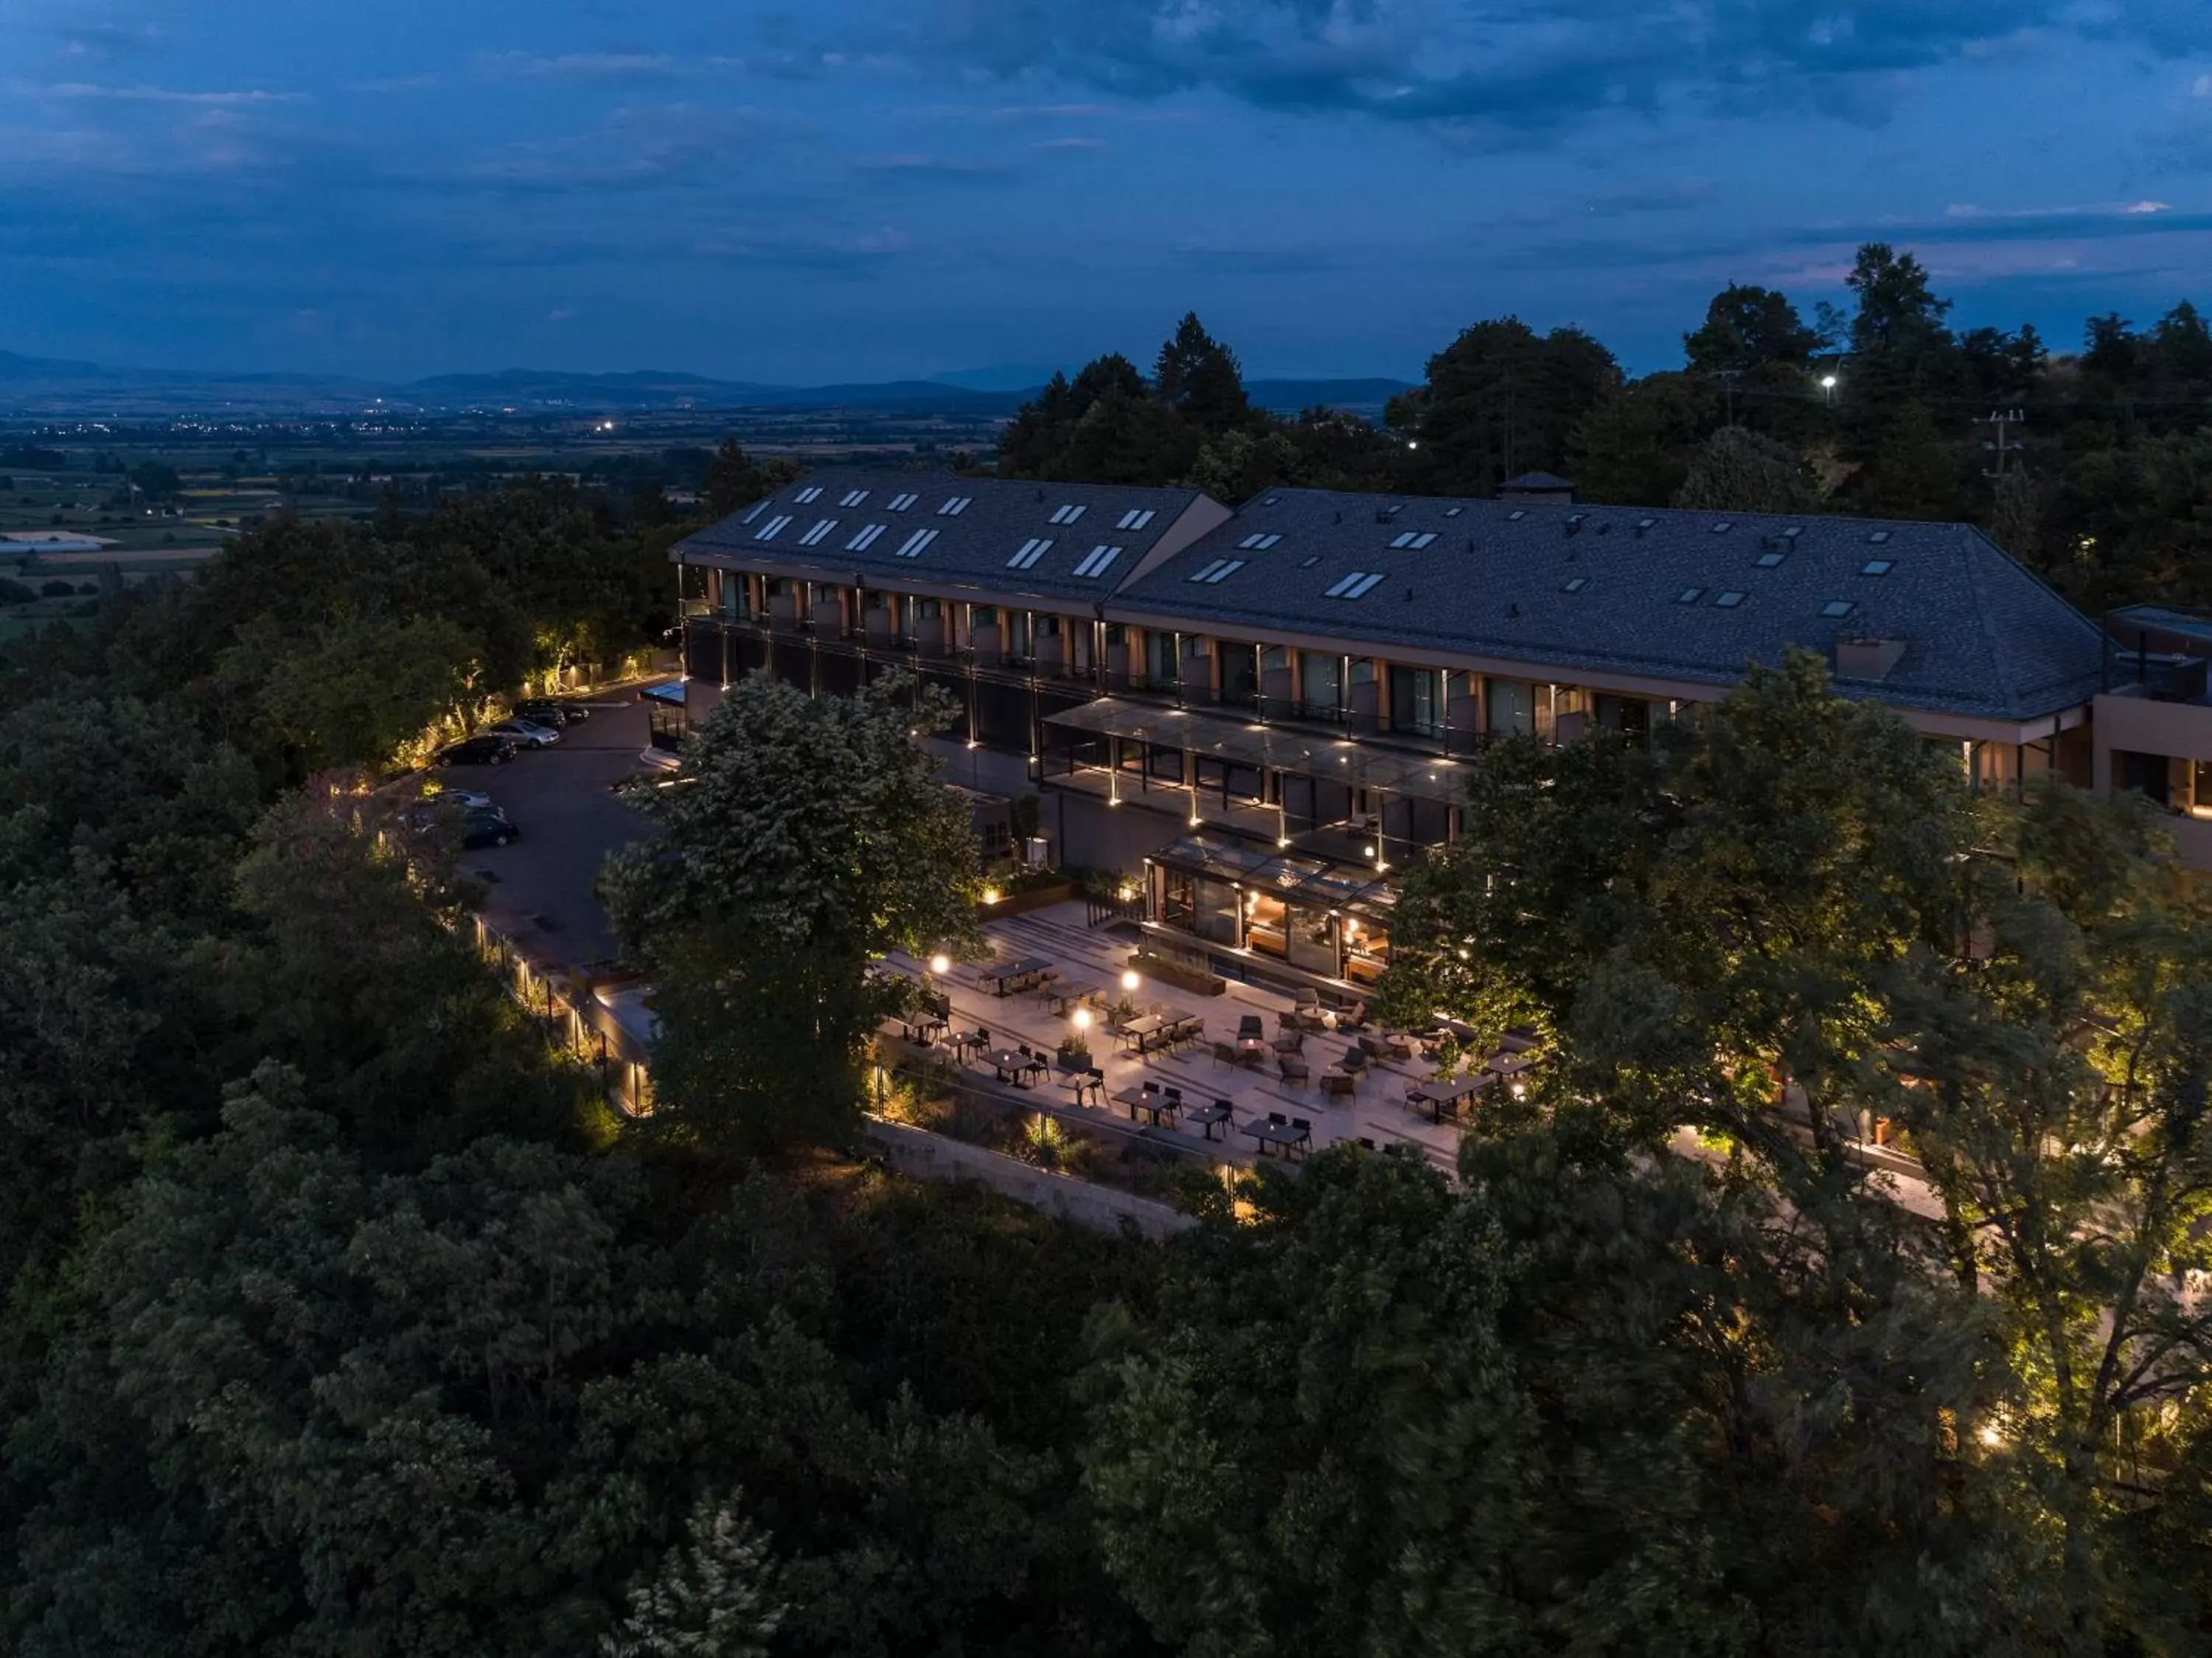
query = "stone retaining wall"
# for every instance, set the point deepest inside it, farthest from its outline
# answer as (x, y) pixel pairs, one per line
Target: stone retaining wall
(922, 1155)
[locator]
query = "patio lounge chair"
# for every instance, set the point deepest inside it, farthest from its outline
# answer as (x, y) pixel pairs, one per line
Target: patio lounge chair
(1294, 1069)
(1336, 1081)
(1227, 1053)
(1249, 1028)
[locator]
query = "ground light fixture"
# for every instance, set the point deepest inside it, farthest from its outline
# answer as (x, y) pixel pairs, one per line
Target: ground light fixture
(1081, 1019)
(940, 963)
(1129, 979)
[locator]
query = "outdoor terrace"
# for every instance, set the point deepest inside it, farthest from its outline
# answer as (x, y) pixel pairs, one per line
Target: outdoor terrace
(1376, 1111)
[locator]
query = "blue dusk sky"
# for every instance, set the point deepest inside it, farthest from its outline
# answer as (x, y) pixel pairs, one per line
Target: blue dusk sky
(870, 189)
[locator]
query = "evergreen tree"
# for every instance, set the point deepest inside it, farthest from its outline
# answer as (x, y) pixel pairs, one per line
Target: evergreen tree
(1197, 376)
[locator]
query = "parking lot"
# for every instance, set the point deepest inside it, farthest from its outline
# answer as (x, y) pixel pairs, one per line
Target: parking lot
(562, 801)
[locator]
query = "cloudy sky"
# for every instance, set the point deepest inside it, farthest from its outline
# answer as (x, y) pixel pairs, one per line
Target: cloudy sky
(875, 188)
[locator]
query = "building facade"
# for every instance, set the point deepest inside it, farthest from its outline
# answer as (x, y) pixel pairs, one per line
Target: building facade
(1262, 713)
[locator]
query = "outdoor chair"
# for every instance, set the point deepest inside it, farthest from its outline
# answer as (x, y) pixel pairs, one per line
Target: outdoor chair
(1367, 1143)
(1227, 1053)
(1278, 1119)
(1173, 1093)
(1373, 1047)
(1335, 1082)
(1294, 1069)
(1286, 1020)
(1304, 1128)
(1354, 1062)
(1313, 1019)
(1306, 996)
(1249, 1027)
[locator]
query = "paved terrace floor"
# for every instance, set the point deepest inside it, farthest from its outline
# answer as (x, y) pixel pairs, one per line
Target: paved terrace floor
(1086, 955)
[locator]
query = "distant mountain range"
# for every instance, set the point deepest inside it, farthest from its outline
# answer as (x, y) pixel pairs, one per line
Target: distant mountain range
(55, 387)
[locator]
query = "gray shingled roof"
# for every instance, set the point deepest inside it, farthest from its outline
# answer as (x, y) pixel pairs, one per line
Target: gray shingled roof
(970, 549)
(1984, 636)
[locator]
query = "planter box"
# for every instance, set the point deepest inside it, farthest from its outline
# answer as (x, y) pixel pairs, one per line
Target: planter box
(1034, 898)
(1196, 981)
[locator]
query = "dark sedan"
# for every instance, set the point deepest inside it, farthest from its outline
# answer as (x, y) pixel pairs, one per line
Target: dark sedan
(477, 750)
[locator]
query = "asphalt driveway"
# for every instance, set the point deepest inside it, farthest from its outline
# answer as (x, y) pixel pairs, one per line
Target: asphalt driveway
(562, 800)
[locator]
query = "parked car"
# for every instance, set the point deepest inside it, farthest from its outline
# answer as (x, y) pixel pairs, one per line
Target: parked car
(486, 828)
(467, 800)
(528, 733)
(487, 748)
(541, 712)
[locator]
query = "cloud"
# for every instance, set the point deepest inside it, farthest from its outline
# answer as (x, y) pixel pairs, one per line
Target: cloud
(1649, 196)
(912, 169)
(1493, 74)
(1257, 261)
(106, 42)
(581, 65)
(149, 94)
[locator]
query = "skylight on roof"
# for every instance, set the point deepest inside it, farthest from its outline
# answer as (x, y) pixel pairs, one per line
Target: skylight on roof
(1646, 523)
(768, 531)
(1727, 600)
(753, 512)
(851, 498)
(1689, 596)
(1309, 561)
(1068, 513)
(1877, 567)
(1218, 572)
(1577, 517)
(1358, 585)
(1272, 501)
(1769, 560)
(954, 506)
(1574, 584)
(1878, 537)
(809, 495)
(1454, 512)
(1258, 542)
(1135, 519)
(1386, 513)
(902, 501)
(1097, 561)
(1793, 532)
(818, 532)
(1837, 609)
(1413, 538)
(865, 539)
(1030, 553)
(1723, 526)
(1517, 515)
(915, 545)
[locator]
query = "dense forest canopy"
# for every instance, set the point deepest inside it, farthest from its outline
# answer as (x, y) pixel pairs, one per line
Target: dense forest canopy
(2103, 484)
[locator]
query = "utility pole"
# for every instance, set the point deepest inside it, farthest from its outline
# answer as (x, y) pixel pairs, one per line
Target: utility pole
(1728, 378)
(2004, 448)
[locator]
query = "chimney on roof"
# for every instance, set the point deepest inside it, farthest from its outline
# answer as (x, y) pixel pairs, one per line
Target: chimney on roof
(1867, 659)
(1538, 486)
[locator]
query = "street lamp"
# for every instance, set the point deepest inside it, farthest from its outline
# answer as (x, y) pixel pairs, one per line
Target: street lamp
(1827, 388)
